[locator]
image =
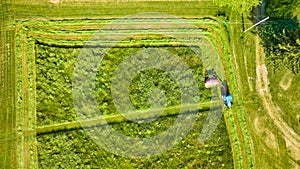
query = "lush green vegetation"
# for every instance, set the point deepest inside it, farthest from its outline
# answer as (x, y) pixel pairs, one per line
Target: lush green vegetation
(53, 85)
(238, 6)
(105, 9)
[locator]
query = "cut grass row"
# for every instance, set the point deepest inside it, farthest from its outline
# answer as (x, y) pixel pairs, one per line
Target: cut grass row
(96, 24)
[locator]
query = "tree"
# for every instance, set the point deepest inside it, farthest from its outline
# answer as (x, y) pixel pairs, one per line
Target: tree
(291, 56)
(281, 36)
(238, 6)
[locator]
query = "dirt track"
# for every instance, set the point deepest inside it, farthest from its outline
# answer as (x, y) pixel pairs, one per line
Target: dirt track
(291, 137)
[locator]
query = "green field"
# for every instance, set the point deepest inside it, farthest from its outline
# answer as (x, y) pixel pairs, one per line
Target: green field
(41, 42)
(55, 87)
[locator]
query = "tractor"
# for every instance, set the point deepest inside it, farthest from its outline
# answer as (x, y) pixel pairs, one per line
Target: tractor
(211, 79)
(227, 97)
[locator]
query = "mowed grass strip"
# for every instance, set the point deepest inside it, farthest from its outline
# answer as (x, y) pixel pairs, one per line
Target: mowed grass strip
(239, 112)
(8, 153)
(23, 9)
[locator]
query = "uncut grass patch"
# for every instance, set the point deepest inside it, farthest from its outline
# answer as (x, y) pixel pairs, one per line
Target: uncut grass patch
(54, 78)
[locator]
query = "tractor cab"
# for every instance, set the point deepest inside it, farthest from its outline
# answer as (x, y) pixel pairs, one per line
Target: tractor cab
(227, 97)
(227, 100)
(211, 79)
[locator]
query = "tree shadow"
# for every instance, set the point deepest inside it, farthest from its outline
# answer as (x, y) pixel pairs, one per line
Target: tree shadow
(280, 33)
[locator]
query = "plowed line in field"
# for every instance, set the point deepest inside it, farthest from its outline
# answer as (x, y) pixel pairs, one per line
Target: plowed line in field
(247, 74)
(3, 94)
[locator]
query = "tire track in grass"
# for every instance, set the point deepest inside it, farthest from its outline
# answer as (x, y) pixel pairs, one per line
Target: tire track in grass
(15, 82)
(292, 139)
(3, 98)
(7, 102)
(247, 73)
(25, 101)
(12, 85)
(34, 105)
(246, 43)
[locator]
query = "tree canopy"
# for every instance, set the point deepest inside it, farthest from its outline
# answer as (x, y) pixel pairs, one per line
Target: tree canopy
(281, 35)
(238, 6)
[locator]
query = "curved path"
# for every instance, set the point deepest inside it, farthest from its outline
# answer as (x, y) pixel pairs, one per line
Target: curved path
(291, 137)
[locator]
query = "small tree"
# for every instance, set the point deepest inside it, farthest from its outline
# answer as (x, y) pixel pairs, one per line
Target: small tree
(238, 6)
